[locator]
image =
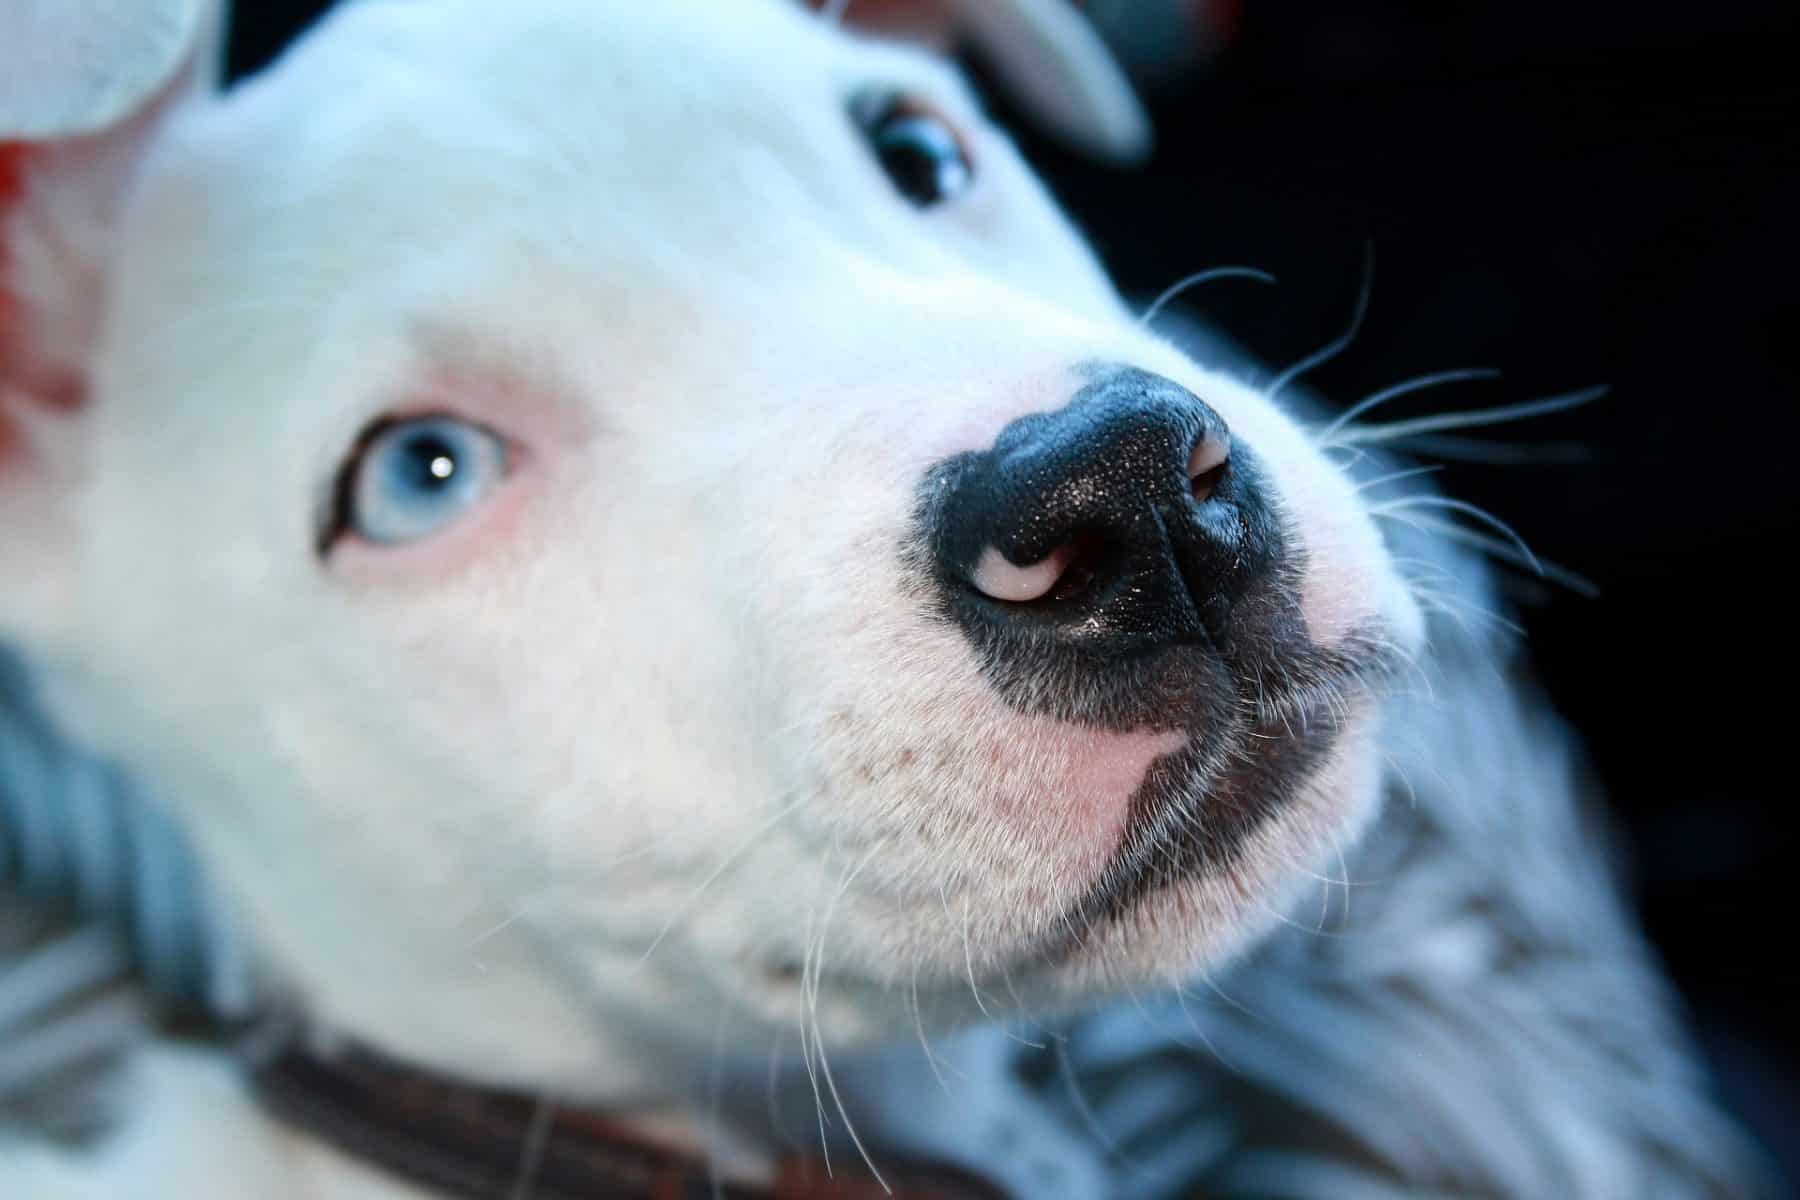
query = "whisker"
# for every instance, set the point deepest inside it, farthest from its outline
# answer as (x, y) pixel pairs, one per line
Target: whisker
(1024, 1014)
(1353, 456)
(1469, 619)
(1195, 280)
(1181, 999)
(1336, 346)
(725, 864)
(968, 954)
(1230, 1001)
(819, 1041)
(1462, 506)
(1368, 435)
(1460, 608)
(531, 1155)
(496, 930)
(715, 1086)
(1396, 476)
(771, 1093)
(1504, 551)
(813, 947)
(1368, 403)
(1500, 454)
(1084, 1109)
(810, 1040)
(1337, 846)
(809, 1019)
(931, 1059)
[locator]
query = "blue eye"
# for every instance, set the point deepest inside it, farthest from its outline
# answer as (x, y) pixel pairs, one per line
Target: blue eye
(416, 476)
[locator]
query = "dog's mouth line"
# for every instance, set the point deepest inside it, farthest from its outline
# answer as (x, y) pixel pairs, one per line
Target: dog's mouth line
(1198, 809)
(1301, 722)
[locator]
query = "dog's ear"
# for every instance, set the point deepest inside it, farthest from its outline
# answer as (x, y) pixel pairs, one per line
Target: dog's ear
(84, 87)
(1046, 53)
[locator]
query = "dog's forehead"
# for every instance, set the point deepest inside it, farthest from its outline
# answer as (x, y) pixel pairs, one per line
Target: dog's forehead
(638, 134)
(397, 124)
(603, 93)
(405, 157)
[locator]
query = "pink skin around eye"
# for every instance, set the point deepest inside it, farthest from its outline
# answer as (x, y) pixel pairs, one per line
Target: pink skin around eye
(531, 422)
(490, 526)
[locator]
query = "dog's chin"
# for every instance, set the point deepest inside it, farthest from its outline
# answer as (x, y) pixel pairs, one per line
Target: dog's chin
(1176, 908)
(1194, 883)
(1205, 860)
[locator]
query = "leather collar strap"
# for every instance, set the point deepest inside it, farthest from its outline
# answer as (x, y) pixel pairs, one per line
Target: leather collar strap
(476, 1143)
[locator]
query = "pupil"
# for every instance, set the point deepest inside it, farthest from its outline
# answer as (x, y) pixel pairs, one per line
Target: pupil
(429, 463)
(922, 158)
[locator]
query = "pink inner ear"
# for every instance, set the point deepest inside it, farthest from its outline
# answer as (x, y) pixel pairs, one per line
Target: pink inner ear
(19, 374)
(12, 163)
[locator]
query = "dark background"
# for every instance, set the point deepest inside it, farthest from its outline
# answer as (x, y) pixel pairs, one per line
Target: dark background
(1604, 195)
(1576, 194)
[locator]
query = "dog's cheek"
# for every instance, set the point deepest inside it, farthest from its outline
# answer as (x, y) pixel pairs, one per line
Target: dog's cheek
(973, 824)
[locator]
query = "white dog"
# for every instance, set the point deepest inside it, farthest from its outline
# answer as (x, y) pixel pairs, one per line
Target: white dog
(661, 577)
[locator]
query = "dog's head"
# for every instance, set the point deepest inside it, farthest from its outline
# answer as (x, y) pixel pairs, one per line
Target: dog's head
(615, 515)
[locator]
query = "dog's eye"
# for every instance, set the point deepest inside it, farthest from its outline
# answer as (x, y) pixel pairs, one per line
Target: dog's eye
(918, 149)
(413, 477)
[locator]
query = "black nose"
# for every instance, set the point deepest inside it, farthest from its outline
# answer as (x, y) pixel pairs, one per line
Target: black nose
(1123, 522)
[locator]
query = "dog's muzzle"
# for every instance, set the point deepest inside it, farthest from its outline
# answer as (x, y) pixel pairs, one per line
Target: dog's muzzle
(1122, 563)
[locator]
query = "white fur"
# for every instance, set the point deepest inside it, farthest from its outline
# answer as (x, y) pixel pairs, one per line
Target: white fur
(556, 799)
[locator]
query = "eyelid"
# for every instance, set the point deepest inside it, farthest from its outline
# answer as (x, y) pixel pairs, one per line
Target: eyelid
(333, 523)
(334, 508)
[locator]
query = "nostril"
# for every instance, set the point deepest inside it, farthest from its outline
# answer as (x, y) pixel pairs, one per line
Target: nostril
(1067, 570)
(999, 579)
(1078, 530)
(1207, 465)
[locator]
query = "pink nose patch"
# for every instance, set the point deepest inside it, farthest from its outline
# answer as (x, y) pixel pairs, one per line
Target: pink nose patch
(999, 579)
(1207, 464)
(1104, 773)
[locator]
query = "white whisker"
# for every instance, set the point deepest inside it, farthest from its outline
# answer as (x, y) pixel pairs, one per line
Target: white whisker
(1371, 435)
(1024, 1015)
(1462, 506)
(1498, 454)
(1336, 345)
(968, 953)
(818, 1040)
(686, 909)
(531, 1155)
(931, 1059)
(1395, 477)
(1505, 551)
(771, 1096)
(715, 1086)
(1182, 285)
(1348, 416)
(1181, 999)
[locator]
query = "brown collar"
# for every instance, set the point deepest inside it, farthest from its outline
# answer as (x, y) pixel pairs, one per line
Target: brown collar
(477, 1143)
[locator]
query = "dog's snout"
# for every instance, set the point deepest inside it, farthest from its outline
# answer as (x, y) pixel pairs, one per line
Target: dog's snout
(1124, 520)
